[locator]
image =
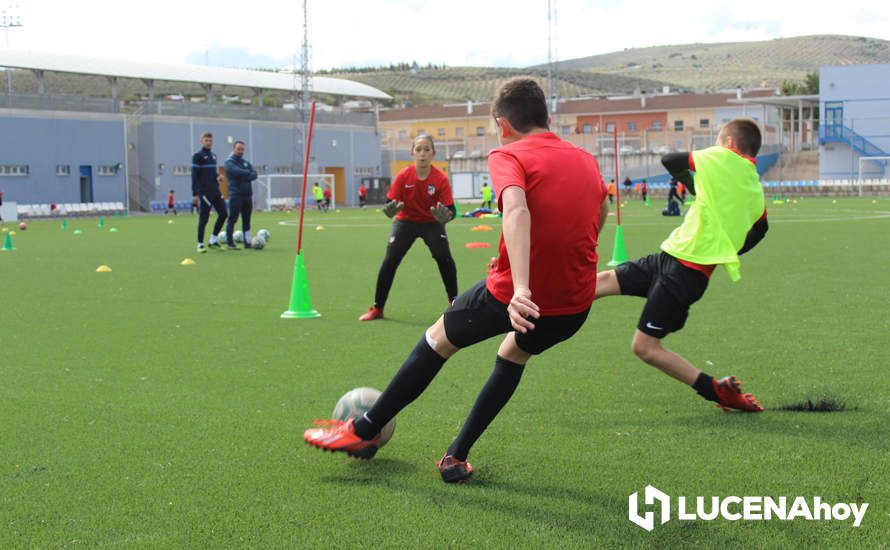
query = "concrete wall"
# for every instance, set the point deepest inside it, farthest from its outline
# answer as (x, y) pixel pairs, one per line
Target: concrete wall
(43, 140)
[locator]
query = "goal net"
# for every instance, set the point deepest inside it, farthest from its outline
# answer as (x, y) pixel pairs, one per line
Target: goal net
(282, 191)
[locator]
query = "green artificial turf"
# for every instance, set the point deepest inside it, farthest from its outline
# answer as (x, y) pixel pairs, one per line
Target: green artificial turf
(163, 406)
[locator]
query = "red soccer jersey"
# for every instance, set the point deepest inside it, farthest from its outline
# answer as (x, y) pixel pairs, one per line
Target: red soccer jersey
(420, 195)
(564, 191)
(170, 200)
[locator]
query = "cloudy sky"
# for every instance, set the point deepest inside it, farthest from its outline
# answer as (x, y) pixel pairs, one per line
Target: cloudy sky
(266, 33)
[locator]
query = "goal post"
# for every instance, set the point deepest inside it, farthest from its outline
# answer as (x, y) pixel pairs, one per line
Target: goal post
(882, 159)
(282, 191)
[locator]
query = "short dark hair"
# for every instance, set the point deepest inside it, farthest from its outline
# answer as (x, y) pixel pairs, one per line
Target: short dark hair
(206, 134)
(745, 133)
(237, 141)
(426, 137)
(522, 102)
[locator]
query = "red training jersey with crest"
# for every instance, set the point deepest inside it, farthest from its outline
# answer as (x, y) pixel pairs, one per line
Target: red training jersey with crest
(420, 195)
(564, 191)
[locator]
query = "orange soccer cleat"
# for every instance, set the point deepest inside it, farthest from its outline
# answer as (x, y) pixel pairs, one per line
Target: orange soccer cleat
(454, 470)
(729, 391)
(339, 436)
(373, 313)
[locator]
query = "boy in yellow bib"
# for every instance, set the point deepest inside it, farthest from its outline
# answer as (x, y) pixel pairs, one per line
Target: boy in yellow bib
(727, 219)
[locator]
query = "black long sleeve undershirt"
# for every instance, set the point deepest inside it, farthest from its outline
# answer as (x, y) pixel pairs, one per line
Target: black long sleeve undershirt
(677, 165)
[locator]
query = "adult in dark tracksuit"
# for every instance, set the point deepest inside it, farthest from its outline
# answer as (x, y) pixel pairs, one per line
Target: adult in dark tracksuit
(240, 173)
(205, 191)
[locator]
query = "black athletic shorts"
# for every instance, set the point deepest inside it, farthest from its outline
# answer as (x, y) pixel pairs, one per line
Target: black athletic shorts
(477, 315)
(669, 287)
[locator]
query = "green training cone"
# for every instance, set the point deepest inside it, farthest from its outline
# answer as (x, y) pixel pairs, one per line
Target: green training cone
(300, 301)
(64, 224)
(647, 199)
(101, 221)
(7, 243)
(619, 253)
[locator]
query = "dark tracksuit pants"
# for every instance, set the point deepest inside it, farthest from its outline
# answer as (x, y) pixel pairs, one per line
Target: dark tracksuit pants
(404, 233)
(239, 205)
(205, 204)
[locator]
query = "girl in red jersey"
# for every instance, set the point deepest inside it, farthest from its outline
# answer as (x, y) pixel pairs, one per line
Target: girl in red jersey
(420, 199)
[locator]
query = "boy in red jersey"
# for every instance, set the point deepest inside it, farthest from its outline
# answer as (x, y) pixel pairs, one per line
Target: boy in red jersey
(726, 220)
(420, 199)
(546, 258)
(171, 204)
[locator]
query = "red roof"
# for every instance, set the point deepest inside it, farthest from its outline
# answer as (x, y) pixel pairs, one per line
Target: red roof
(654, 103)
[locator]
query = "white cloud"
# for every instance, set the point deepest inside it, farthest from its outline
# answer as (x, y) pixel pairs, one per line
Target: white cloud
(456, 32)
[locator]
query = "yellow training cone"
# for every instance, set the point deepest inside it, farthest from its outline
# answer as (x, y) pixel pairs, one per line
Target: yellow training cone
(170, 222)
(13, 233)
(103, 269)
(187, 261)
(319, 228)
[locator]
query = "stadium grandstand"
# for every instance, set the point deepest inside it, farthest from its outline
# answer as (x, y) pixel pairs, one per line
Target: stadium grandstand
(78, 150)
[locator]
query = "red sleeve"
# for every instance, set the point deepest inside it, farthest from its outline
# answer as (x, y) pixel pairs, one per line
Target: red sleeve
(395, 190)
(505, 171)
(444, 195)
(691, 162)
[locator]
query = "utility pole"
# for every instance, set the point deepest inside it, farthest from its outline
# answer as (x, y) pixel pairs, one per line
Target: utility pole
(9, 19)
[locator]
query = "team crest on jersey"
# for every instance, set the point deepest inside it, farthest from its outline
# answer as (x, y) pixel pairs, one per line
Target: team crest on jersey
(430, 189)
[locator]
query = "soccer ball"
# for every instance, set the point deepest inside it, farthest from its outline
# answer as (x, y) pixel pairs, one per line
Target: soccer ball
(238, 236)
(264, 234)
(23, 226)
(258, 243)
(356, 403)
(222, 237)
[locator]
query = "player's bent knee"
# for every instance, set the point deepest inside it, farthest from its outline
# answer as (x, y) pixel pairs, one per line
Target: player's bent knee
(644, 346)
(438, 340)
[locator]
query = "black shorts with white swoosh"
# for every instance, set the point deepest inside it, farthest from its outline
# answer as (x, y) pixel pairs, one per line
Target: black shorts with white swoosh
(670, 288)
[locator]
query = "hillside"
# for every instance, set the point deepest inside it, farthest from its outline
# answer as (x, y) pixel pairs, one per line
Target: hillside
(478, 83)
(727, 65)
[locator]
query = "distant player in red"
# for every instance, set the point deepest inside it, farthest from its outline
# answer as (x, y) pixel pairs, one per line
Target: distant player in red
(327, 197)
(644, 190)
(362, 194)
(420, 199)
(171, 204)
(548, 258)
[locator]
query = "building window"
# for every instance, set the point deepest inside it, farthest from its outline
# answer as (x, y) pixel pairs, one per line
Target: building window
(678, 125)
(459, 131)
(284, 169)
(421, 132)
(364, 170)
(403, 134)
(180, 170)
(261, 169)
(63, 169)
(631, 126)
(14, 169)
(565, 130)
(587, 129)
(480, 130)
(704, 123)
(657, 126)
(111, 170)
(440, 132)
(610, 127)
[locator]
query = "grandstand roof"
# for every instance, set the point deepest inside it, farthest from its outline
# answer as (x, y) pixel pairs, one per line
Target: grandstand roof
(145, 70)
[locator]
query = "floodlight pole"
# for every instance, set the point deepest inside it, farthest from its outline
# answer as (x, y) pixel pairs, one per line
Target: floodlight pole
(7, 22)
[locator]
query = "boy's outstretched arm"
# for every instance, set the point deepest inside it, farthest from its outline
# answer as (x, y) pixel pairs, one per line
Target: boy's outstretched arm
(679, 166)
(755, 234)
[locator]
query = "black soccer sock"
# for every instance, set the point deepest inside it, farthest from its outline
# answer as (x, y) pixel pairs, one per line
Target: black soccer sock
(416, 373)
(494, 395)
(704, 385)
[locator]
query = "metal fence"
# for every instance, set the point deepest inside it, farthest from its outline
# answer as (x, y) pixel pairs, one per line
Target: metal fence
(58, 103)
